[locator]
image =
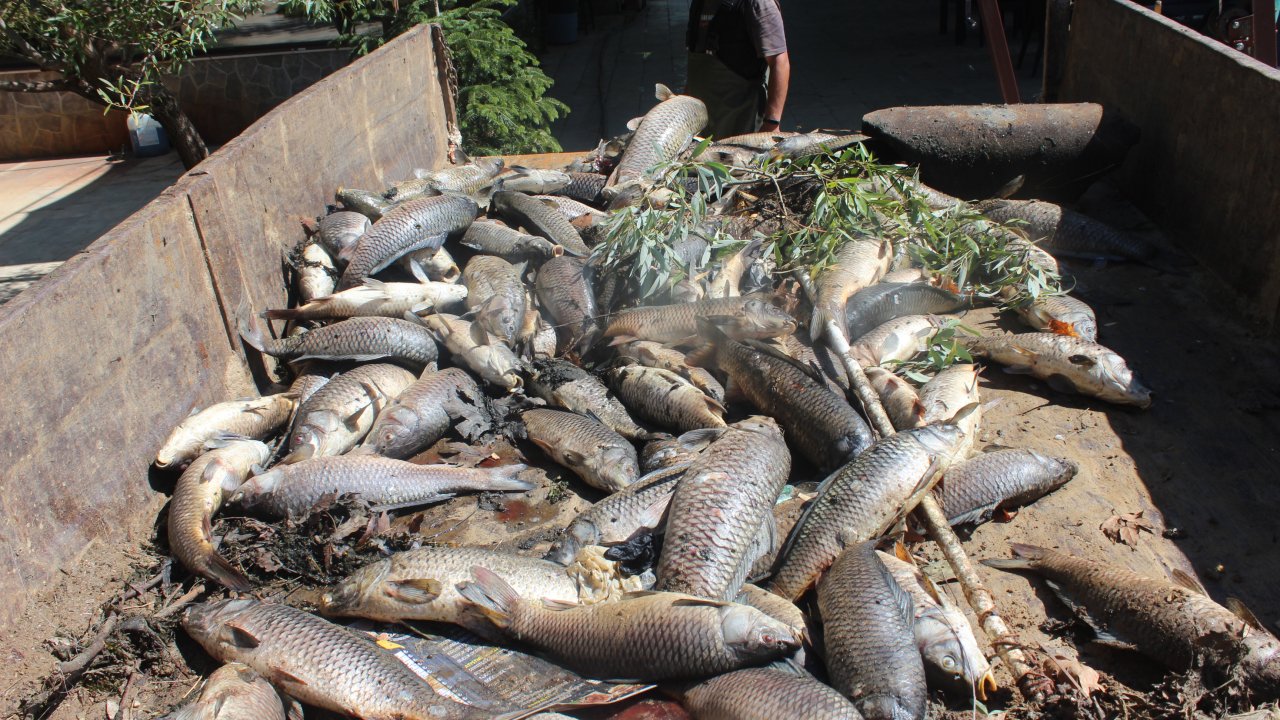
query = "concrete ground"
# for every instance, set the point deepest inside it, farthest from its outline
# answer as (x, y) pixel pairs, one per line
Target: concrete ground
(847, 59)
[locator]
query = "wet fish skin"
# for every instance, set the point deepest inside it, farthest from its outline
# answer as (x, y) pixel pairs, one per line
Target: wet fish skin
(493, 362)
(719, 508)
(316, 273)
(648, 636)
(766, 694)
(341, 413)
(1067, 232)
(971, 491)
(776, 607)
(317, 662)
(360, 338)
(235, 692)
(573, 210)
(564, 288)
(255, 419)
(310, 378)
(897, 340)
(375, 299)
(424, 412)
(1168, 622)
(900, 400)
(664, 132)
(950, 650)
(584, 187)
(539, 217)
(497, 296)
(652, 354)
(1067, 364)
(819, 357)
(466, 179)
(415, 225)
(861, 500)
(1061, 314)
(741, 317)
(758, 140)
(871, 652)
(954, 392)
(197, 498)
(568, 386)
(858, 263)
(664, 398)
(340, 230)
(421, 584)
(292, 490)
(533, 180)
(365, 202)
(822, 425)
(601, 457)
(495, 238)
(642, 505)
(874, 306)
(815, 143)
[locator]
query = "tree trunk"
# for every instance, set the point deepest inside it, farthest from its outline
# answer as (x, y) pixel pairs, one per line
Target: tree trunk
(182, 134)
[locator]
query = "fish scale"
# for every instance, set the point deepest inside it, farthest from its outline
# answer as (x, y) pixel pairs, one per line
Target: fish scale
(494, 238)
(663, 397)
(234, 692)
(1065, 231)
(766, 694)
(564, 290)
(497, 295)
(1061, 314)
(745, 316)
(359, 338)
(317, 662)
(601, 457)
(971, 491)
(413, 225)
(871, 652)
(425, 411)
(584, 187)
(857, 264)
(341, 230)
(640, 505)
(719, 507)
(339, 414)
(664, 131)
(539, 217)
(568, 386)
(859, 501)
(874, 306)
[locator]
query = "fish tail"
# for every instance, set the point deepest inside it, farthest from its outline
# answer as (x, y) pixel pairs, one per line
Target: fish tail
(281, 314)
(252, 333)
(491, 595)
(221, 569)
(504, 478)
(1028, 557)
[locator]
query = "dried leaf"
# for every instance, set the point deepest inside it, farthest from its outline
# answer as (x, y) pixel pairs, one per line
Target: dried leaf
(267, 561)
(353, 524)
(1074, 673)
(1126, 528)
(378, 525)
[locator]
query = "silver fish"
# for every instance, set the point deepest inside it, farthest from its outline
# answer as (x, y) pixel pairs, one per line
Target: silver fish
(415, 225)
(663, 133)
(1067, 364)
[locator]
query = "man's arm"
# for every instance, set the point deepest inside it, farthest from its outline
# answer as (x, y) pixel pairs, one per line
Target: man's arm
(776, 100)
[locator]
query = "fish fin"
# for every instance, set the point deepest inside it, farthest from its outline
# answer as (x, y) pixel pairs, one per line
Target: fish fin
(572, 457)
(417, 591)
(242, 638)
(697, 440)
(1238, 608)
(389, 507)
(780, 356)
(1184, 580)
(352, 421)
(1082, 360)
(306, 452)
(662, 92)
(622, 340)
(1062, 384)
(714, 405)
(818, 323)
(460, 157)
(251, 332)
(694, 602)
(478, 334)
(1018, 369)
(634, 123)
(284, 676)
(558, 605)
(418, 272)
(490, 594)
(373, 284)
(221, 569)
(976, 516)
(901, 598)
(282, 314)
(1059, 327)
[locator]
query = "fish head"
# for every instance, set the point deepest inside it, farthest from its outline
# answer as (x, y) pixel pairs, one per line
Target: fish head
(350, 596)
(581, 534)
(760, 319)
(1259, 661)
(752, 635)
(309, 438)
(210, 623)
(500, 319)
(625, 194)
(1119, 385)
(1060, 469)
(940, 439)
(661, 451)
(395, 431)
(951, 654)
(256, 487)
(616, 466)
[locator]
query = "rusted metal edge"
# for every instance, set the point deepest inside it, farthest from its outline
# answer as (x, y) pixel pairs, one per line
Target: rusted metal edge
(447, 75)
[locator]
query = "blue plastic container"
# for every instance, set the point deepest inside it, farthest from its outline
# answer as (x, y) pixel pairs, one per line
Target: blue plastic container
(146, 136)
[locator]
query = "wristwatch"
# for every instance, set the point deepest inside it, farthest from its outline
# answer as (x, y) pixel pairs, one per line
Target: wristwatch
(775, 121)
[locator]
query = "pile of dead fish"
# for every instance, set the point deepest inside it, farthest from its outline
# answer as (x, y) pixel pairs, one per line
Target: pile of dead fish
(688, 420)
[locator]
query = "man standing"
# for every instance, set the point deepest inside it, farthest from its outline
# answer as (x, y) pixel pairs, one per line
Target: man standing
(738, 64)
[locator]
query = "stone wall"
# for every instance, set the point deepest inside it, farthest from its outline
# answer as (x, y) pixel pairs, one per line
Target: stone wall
(222, 94)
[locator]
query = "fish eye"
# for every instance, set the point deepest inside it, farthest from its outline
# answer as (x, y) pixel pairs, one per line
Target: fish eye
(949, 663)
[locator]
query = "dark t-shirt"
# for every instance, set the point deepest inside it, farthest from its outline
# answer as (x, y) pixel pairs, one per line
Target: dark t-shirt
(769, 37)
(741, 33)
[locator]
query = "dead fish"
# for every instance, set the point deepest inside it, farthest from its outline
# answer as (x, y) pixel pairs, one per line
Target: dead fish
(496, 295)
(1066, 232)
(871, 652)
(254, 418)
(861, 500)
(467, 179)
(898, 340)
(1061, 315)
(493, 362)
(952, 657)
(876, 305)
(738, 317)
(652, 354)
(532, 180)
(662, 134)
(858, 263)
(494, 238)
(197, 498)
(1176, 624)
(564, 289)
(1067, 364)
(236, 692)
(340, 230)
(292, 490)
(809, 144)
(311, 377)
(424, 412)
(539, 217)
(584, 187)
(906, 275)
(1025, 251)
(317, 662)
(972, 491)
(437, 265)
(601, 457)
(819, 357)
(665, 451)
(415, 225)
(951, 391)
(899, 398)
(316, 273)
(766, 693)
(580, 214)
(366, 202)
(666, 399)
(375, 299)
(360, 339)
(820, 424)
(338, 416)
(758, 140)
(648, 636)
(638, 507)
(719, 508)
(778, 608)
(421, 584)
(568, 386)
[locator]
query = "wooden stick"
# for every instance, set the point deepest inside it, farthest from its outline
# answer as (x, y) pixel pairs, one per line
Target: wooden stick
(1030, 681)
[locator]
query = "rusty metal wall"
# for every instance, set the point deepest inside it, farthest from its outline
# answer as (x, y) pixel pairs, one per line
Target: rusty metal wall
(1207, 168)
(101, 358)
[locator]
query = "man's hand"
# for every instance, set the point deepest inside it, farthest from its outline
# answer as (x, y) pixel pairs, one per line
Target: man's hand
(779, 82)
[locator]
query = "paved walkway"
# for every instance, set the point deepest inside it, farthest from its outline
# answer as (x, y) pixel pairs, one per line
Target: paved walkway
(848, 58)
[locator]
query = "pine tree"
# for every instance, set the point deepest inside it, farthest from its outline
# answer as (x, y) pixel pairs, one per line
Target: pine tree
(502, 104)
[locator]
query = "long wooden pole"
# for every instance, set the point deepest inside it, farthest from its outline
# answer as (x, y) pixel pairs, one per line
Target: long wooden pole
(1030, 682)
